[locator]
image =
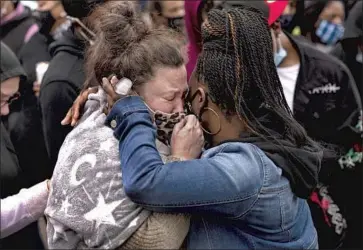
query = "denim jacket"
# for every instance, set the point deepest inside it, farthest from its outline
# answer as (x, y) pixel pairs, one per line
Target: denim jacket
(237, 196)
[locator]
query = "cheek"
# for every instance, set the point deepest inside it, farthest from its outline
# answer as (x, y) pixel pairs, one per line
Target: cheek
(160, 104)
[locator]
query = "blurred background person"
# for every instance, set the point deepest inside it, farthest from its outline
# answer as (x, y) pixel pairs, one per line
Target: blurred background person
(324, 99)
(13, 175)
(17, 25)
(65, 76)
(20, 32)
(195, 13)
(323, 22)
(289, 20)
(288, 15)
(350, 49)
(52, 19)
(167, 13)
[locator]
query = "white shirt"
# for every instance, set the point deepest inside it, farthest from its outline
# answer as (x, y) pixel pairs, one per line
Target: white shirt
(20, 210)
(288, 76)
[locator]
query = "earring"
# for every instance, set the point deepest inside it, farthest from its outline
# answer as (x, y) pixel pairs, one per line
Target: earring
(216, 114)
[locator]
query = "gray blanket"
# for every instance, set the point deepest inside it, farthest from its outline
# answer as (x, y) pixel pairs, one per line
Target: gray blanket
(87, 206)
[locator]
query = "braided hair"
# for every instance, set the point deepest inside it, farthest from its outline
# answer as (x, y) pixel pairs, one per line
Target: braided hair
(237, 65)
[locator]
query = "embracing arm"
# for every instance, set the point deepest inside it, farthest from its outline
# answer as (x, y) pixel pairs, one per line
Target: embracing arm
(20, 210)
(230, 175)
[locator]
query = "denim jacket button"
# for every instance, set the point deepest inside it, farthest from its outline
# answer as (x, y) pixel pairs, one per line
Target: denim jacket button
(113, 124)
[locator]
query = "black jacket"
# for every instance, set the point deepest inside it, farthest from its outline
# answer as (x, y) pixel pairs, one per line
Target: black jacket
(347, 49)
(60, 87)
(327, 104)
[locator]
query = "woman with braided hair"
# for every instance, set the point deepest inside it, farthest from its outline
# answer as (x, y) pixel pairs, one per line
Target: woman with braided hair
(249, 188)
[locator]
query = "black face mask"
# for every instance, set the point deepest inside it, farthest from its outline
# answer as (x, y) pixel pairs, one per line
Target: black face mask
(285, 20)
(46, 21)
(176, 23)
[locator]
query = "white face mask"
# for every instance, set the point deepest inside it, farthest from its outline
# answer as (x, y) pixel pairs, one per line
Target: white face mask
(359, 57)
(280, 54)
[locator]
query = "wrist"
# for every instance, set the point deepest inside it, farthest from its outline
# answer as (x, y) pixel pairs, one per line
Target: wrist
(176, 158)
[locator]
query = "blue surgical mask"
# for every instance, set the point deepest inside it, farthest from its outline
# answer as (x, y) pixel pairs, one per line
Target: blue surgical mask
(329, 33)
(280, 54)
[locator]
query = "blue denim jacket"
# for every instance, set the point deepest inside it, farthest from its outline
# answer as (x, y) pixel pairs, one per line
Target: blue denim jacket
(236, 195)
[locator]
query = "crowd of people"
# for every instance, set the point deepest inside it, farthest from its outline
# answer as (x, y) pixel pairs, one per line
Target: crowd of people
(198, 124)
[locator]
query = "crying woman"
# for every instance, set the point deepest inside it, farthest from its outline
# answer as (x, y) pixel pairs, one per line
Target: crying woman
(87, 207)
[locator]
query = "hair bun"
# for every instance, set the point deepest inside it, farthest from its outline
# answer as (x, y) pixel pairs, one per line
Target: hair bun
(118, 22)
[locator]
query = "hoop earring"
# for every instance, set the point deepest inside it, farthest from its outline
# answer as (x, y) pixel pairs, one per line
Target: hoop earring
(216, 114)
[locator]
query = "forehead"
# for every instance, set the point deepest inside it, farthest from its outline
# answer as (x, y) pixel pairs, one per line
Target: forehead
(172, 6)
(334, 7)
(169, 78)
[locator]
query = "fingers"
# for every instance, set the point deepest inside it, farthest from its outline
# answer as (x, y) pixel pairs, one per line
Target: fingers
(109, 106)
(76, 107)
(73, 113)
(68, 118)
(192, 122)
(107, 87)
(179, 126)
(114, 80)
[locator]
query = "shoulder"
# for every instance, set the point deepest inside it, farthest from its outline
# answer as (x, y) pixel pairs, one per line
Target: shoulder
(325, 63)
(239, 156)
(71, 73)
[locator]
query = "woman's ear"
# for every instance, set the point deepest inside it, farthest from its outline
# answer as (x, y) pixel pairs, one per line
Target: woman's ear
(199, 100)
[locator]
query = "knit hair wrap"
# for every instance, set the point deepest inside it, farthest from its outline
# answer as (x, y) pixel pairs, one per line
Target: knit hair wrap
(88, 208)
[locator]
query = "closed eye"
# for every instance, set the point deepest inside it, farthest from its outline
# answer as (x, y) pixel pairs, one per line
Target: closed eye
(170, 98)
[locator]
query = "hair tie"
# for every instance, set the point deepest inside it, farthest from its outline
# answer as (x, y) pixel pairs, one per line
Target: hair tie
(123, 86)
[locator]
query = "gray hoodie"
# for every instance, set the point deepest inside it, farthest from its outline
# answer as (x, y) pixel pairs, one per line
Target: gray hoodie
(87, 206)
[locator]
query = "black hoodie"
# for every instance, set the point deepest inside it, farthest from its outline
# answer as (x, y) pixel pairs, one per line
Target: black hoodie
(13, 178)
(9, 67)
(300, 165)
(60, 87)
(347, 49)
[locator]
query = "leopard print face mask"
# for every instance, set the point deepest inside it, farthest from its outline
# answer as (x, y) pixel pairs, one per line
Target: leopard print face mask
(165, 124)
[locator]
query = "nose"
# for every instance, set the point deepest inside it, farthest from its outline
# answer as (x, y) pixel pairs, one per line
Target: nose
(337, 20)
(179, 107)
